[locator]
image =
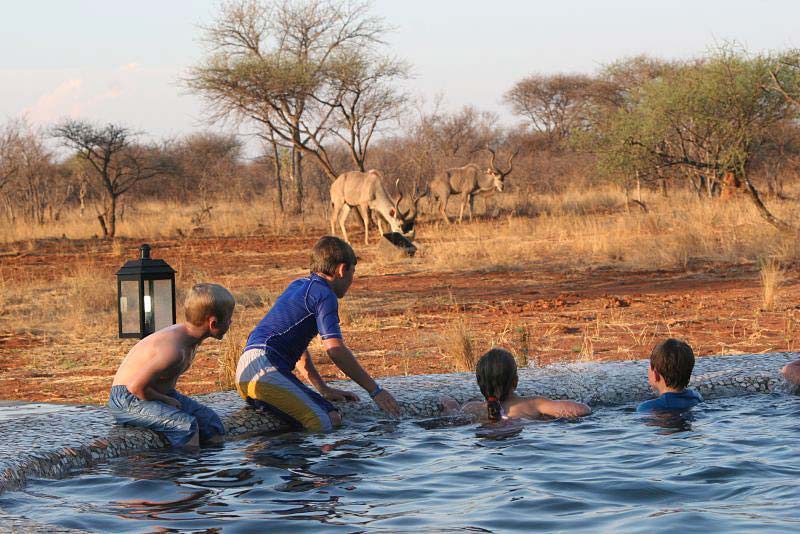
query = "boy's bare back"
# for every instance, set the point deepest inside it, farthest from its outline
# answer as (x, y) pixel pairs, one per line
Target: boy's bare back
(158, 360)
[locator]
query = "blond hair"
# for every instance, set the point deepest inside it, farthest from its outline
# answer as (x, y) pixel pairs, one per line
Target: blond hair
(206, 300)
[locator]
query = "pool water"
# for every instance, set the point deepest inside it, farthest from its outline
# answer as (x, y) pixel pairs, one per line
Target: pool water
(732, 465)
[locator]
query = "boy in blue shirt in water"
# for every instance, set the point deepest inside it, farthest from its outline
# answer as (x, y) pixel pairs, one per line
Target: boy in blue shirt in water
(671, 364)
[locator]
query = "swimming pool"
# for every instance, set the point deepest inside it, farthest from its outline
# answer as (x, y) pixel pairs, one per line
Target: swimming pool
(730, 466)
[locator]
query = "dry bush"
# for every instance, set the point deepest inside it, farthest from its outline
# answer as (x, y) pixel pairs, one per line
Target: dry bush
(90, 292)
(791, 325)
(680, 232)
(772, 276)
(354, 315)
(164, 219)
(523, 348)
(260, 298)
(6, 288)
(458, 346)
(232, 345)
(516, 338)
(118, 249)
(575, 227)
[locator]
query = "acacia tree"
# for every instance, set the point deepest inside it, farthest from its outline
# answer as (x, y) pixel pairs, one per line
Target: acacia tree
(364, 98)
(10, 144)
(36, 187)
(205, 162)
(279, 65)
(612, 115)
(784, 73)
(30, 183)
(116, 163)
(553, 105)
(710, 116)
(438, 139)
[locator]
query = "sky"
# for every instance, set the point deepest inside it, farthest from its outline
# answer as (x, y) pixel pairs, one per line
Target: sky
(122, 62)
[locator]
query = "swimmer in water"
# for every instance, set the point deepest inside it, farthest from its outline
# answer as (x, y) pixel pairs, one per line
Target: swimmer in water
(496, 373)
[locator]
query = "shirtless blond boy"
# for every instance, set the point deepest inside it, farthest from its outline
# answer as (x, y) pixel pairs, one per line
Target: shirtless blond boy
(143, 392)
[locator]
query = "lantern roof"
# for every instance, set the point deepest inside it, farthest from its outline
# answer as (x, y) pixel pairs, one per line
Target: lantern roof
(145, 265)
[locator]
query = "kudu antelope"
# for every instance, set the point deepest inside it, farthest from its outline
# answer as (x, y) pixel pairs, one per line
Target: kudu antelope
(466, 182)
(365, 191)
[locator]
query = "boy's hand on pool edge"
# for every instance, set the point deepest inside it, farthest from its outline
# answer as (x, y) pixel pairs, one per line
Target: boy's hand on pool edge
(386, 402)
(334, 394)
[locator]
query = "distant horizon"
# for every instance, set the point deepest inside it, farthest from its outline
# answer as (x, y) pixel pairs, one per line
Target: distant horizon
(126, 67)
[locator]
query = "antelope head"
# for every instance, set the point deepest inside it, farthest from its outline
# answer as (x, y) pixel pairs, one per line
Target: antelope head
(498, 176)
(409, 217)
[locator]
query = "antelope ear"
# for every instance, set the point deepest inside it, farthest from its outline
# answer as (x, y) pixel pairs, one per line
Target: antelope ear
(392, 212)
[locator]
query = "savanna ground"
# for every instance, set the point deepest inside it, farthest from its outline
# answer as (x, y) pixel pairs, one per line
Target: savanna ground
(569, 277)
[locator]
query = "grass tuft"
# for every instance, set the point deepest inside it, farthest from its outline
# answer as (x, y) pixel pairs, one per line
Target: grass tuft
(458, 346)
(772, 277)
(232, 346)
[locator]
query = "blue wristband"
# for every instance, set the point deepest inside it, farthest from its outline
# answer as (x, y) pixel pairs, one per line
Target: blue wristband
(376, 392)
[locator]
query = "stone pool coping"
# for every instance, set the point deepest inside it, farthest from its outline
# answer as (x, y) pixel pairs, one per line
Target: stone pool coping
(53, 443)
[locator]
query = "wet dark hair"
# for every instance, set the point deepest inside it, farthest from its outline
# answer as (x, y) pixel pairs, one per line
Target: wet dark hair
(674, 360)
(329, 252)
(497, 376)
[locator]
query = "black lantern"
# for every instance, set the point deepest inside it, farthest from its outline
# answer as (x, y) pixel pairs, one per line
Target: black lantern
(146, 296)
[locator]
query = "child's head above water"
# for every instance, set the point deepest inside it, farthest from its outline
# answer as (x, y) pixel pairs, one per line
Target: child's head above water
(497, 378)
(207, 300)
(334, 260)
(329, 252)
(672, 360)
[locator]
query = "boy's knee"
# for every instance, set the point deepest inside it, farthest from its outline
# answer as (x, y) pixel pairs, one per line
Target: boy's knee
(335, 417)
(214, 439)
(194, 441)
(181, 432)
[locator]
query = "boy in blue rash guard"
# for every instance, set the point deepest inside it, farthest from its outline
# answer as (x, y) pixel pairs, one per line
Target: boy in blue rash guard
(278, 345)
(671, 364)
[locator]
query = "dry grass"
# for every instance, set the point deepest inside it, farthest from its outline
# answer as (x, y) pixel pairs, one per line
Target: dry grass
(458, 346)
(231, 350)
(579, 228)
(90, 292)
(585, 230)
(791, 325)
(772, 276)
(259, 298)
(163, 219)
(515, 337)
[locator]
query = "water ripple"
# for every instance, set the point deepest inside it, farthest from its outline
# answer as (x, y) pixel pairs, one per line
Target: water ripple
(730, 466)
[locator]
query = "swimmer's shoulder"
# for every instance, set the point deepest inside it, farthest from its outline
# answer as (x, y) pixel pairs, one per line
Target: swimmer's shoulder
(527, 407)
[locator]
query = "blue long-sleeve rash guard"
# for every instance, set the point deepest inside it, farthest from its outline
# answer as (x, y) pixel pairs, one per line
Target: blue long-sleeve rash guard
(669, 401)
(306, 308)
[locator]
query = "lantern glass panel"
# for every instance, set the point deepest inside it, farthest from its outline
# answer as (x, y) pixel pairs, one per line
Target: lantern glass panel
(129, 306)
(162, 303)
(149, 323)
